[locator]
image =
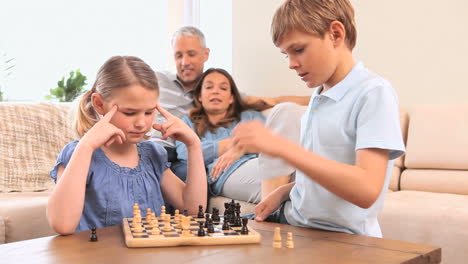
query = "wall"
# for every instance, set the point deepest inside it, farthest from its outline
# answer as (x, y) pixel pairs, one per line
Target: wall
(419, 45)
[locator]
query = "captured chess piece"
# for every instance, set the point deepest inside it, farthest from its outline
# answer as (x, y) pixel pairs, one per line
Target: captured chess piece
(93, 237)
(244, 230)
(277, 238)
(289, 241)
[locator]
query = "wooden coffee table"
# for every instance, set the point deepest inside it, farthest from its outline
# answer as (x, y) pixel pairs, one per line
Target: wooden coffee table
(311, 246)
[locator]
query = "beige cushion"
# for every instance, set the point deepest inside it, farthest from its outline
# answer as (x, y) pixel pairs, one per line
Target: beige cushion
(441, 181)
(2, 230)
(32, 135)
(395, 179)
(437, 219)
(24, 215)
(438, 137)
(404, 132)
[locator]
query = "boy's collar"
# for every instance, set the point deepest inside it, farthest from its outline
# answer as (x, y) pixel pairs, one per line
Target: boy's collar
(341, 88)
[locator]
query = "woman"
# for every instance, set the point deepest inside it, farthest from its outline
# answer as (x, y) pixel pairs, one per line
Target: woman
(218, 110)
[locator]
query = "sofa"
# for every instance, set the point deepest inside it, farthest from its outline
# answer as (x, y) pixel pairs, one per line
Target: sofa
(427, 200)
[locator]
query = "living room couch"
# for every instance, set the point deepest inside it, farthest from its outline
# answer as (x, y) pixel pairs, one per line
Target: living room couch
(427, 201)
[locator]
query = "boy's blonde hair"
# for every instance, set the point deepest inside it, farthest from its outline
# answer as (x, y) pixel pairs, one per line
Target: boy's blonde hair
(116, 73)
(314, 17)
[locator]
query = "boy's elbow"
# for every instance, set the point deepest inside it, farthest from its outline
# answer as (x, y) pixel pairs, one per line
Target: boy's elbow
(369, 200)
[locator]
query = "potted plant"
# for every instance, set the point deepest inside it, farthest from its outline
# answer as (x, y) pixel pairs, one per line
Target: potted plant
(68, 89)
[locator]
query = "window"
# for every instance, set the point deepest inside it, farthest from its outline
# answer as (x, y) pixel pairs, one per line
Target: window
(44, 41)
(214, 18)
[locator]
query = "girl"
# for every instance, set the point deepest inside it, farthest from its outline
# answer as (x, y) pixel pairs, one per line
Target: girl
(218, 110)
(110, 168)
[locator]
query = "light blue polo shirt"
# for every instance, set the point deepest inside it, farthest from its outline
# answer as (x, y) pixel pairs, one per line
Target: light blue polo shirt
(361, 111)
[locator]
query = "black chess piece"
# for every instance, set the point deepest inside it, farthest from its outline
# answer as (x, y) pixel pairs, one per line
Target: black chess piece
(210, 226)
(207, 218)
(215, 215)
(200, 212)
(93, 237)
(237, 220)
(185, 213)
(225, 225)
(201, 231)
(244, 230)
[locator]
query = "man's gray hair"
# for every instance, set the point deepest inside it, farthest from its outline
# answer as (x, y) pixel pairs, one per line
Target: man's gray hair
(189, 31)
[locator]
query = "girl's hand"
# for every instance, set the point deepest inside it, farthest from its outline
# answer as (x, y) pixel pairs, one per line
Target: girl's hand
(254, 137)
(103, 132)
(225, 161)
(175, 128)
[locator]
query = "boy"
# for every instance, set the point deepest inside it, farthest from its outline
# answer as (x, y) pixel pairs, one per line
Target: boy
(350, 132)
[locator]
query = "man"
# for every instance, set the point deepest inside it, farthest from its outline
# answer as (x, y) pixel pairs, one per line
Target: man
(190, 55)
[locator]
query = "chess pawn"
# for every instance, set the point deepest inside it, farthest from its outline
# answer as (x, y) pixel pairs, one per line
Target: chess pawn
(93, 237)
(277, 238)
(154, 223)
(185, 226)
(149, 217)
(176, 212)
(244, 229)
(137, 228)
(289, 241)
(167, 223)
(163, 211)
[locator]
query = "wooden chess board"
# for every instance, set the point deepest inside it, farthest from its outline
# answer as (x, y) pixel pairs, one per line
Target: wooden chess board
(174, 237)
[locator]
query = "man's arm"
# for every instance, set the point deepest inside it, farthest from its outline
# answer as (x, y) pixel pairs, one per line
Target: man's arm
(261, 103)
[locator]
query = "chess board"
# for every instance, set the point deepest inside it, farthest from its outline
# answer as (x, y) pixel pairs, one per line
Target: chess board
(175, 238)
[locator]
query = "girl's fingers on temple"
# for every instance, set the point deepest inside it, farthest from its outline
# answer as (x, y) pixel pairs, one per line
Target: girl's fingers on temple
(108, 116)
(164, 112)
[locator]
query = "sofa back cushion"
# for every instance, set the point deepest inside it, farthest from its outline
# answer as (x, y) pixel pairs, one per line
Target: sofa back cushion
(438, 137)
(436, 157)
(32, 135)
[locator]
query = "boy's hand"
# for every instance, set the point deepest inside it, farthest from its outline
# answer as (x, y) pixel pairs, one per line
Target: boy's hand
(175, 128)
(269, 204)
(225, 161)
(103, 132)
(254, 137)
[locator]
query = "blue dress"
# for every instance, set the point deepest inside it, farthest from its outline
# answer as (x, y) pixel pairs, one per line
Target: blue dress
(112, 190)
(210, 151)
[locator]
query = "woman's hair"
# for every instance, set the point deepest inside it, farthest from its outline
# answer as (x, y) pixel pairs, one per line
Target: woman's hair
(198, 115)
(314, 17)
(117, 72)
